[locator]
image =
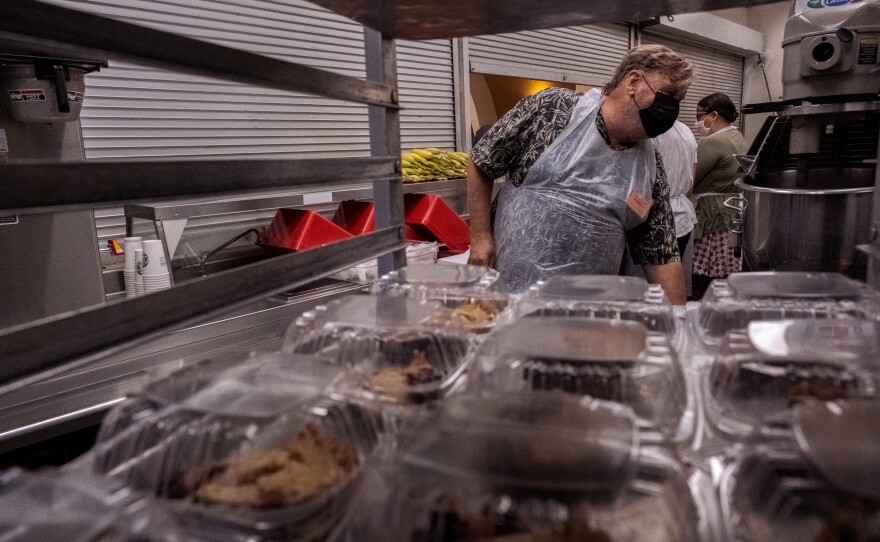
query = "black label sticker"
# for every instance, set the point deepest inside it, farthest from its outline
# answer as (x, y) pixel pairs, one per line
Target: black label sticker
(8, 220)
(868, 50)
(27, 95)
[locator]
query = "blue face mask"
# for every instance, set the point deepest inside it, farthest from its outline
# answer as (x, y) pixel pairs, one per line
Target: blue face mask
(658, 117)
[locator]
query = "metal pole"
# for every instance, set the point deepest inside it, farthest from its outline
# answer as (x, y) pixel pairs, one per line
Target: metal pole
(381, 64)
(874, 247)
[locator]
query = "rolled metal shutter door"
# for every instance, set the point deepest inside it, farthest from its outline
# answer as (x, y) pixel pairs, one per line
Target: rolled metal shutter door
(133, 112)
(717, 71)
(585, 55)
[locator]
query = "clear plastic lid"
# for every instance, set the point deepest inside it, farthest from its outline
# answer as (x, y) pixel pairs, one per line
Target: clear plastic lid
(771, 366)
(530, 467)
(53, 506)
(261, 452)
(820, 483)
(475, 296)
(601, 296)
(391, 350)
(614, 360)
(743, 297)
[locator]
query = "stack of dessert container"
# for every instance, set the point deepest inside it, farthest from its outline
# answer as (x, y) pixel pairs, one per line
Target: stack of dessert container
(613, 360)
(396, 352)
(732, 303)
(769, 367)
(475, 296)
(259, 452)
(56, 506)
(533, 467)
(600, 296)
(819, 481)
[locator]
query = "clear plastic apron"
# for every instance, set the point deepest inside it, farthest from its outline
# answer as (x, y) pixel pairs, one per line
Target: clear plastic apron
(570, 214)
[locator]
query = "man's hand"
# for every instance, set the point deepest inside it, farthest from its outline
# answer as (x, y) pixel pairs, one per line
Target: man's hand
(482, 250)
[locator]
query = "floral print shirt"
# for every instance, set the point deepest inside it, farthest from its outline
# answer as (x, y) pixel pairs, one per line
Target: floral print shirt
(512, 146)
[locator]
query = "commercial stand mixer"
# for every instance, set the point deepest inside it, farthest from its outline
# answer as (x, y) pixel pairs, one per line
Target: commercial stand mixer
(810, 173)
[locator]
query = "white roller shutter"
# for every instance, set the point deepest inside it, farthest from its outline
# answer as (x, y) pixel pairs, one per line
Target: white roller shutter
(133, 112)
(581, 54)
(717, 71)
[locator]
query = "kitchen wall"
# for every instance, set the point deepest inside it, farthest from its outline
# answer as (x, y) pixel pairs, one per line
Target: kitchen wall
(768, 19)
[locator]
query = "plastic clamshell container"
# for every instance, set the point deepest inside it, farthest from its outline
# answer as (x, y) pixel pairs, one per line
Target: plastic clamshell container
(476, 295)
(432, 218)
(53, 506)
(772, 295)
(529, 467)
(613, 360)
(298, 229)
(601, 296)
(261, 453)
(392, 348)
(771, 366)
(416, 253)
(818, 483)
(358, 217)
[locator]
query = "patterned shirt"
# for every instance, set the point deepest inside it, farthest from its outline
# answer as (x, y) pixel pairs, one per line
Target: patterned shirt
(512, 146)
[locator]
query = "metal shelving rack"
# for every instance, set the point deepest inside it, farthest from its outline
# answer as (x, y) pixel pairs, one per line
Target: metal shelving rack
(59, 344)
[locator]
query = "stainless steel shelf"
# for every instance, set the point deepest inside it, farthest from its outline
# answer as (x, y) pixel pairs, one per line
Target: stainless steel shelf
(57, 345)
(34, 28)
(426, 19)
(39, 187)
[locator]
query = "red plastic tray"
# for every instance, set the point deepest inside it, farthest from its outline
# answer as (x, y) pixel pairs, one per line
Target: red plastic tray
(296, 229)
(358, 217)
(431, 217)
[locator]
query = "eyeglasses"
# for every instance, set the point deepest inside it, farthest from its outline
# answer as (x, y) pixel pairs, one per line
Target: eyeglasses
(701, 114)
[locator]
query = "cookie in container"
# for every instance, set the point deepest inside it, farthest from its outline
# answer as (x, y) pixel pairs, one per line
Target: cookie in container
(393, 349)
(475, 296)
(614, 360)
(57, 506)
(770, 366)
(538, 467)
(262, 453)
(601, 296)
(732, 303)
(819, 482)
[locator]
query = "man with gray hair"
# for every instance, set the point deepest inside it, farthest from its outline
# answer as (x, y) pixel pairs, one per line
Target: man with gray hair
(584, 179)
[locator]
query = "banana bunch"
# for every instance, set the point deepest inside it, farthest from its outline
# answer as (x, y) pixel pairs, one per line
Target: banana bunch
(433, 165)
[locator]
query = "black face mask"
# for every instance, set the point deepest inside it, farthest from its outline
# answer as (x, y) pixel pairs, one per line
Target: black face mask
(658, 117)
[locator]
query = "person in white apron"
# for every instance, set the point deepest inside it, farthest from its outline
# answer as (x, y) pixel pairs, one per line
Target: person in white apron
(595, 182)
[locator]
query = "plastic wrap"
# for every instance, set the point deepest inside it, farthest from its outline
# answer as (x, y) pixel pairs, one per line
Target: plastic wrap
(261, 452)
(540, 467)
(53, 506)
(771, 366)
(743, 297)
(394, 349)
(476, 295)
(819, 483)
(613, 360)
(570, 214)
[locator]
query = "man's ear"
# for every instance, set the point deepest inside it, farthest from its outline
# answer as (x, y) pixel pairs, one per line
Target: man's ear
(631, 82)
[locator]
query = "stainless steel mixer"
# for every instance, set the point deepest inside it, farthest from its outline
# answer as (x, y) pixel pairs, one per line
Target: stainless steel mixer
(810, 173)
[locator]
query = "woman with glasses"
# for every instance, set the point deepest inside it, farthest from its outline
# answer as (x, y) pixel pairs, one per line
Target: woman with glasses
(716, 170)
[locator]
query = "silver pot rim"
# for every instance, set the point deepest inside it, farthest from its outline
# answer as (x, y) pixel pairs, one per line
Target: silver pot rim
(741, 184)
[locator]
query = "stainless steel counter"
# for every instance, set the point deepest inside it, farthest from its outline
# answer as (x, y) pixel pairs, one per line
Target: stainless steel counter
(78, 399)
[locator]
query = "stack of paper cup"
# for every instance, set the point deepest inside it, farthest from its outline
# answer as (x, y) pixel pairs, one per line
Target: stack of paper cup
(130, 246)
(154, 269)
(139, 278)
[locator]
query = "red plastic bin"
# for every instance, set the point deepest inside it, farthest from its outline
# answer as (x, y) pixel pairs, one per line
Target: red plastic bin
(358, 217)
(296, 229)
(431, 217)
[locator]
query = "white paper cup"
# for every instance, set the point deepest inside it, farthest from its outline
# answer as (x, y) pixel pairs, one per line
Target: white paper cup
(130, 245)
(154, 264)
